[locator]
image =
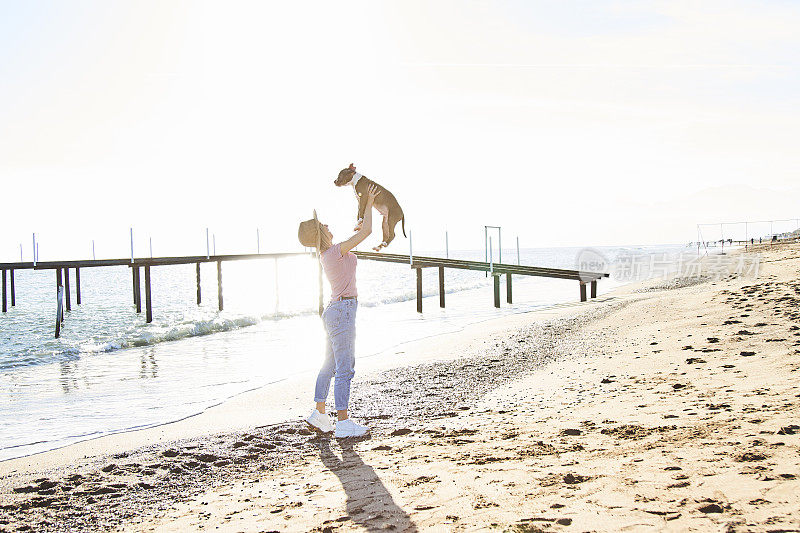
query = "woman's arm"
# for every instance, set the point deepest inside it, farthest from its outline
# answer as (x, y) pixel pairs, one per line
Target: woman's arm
(366, 226)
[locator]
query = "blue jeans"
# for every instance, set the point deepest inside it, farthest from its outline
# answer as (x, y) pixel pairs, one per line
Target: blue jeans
(339, 319)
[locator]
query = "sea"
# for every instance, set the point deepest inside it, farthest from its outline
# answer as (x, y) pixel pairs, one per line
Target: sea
(111, 372)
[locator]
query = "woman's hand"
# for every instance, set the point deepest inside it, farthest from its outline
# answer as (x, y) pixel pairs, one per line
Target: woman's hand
(364, 227)
(372, 192)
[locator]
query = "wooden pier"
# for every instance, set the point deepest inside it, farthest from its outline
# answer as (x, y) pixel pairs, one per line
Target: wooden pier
(495, 269)
(62, 275)
(62, 269)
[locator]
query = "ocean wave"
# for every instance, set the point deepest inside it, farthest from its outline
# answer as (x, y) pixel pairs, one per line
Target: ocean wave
(184, 330)
(142, 335)
(412, 294)
(146, 336)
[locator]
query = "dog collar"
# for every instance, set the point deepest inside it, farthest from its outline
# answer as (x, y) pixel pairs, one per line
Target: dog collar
(355, 179)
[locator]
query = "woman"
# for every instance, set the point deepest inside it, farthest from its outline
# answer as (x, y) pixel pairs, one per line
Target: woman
(339, 319)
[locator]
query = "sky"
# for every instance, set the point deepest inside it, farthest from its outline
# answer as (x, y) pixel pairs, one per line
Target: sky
(566, 123)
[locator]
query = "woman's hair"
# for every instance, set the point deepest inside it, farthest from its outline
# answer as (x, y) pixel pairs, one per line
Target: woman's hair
(324, 241)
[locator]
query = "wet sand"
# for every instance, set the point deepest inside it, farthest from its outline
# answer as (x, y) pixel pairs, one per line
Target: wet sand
(675, 408)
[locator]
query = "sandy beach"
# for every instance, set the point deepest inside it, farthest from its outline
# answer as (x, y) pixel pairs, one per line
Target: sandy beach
(667, 406)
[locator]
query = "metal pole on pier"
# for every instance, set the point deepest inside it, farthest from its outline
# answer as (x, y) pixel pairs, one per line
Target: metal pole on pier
(446, 245)
(258, 242)
(214, 237)
(93, 255)
(131, 245)
(151, 247)
(500, 245)
(491, 263)
(410, 249)
(486, 245)
(518, 262)
(495, 279)
(20, 253)
(208, 250)
(34, 249)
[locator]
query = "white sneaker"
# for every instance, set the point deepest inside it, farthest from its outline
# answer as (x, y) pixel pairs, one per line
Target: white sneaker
(348, 428)
(319, 422)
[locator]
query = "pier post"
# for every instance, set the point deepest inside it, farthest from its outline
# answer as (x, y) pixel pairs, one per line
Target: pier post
(5, 309)
(441, 287)
(13, 290)
(147, 297)
(137, 288)
(78, 285)
(583, 291)
(496, 289)
(136, 295)
(199, 298)
(594, 288)
(59, 287)
(219, 284)
(419, 289)
(508, 287)
(66, 289)
(59, 310)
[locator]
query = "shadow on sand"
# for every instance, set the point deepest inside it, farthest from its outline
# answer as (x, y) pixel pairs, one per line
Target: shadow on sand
(369, 504)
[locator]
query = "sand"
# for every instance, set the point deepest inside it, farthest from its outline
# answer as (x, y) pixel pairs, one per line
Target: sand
(651, 408)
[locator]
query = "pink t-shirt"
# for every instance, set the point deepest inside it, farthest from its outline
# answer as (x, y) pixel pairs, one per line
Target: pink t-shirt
(340, 270)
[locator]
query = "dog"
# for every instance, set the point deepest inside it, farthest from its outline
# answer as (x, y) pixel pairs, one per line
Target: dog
(385, 203)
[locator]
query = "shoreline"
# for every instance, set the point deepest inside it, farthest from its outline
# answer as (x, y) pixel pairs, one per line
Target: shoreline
(235, 412)
(243, 419)
(44, 444)
(496, 397)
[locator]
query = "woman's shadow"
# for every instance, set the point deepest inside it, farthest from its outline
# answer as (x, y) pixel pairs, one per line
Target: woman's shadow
(369, 504)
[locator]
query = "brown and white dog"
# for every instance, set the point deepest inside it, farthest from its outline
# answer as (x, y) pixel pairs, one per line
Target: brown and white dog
(385, 203)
